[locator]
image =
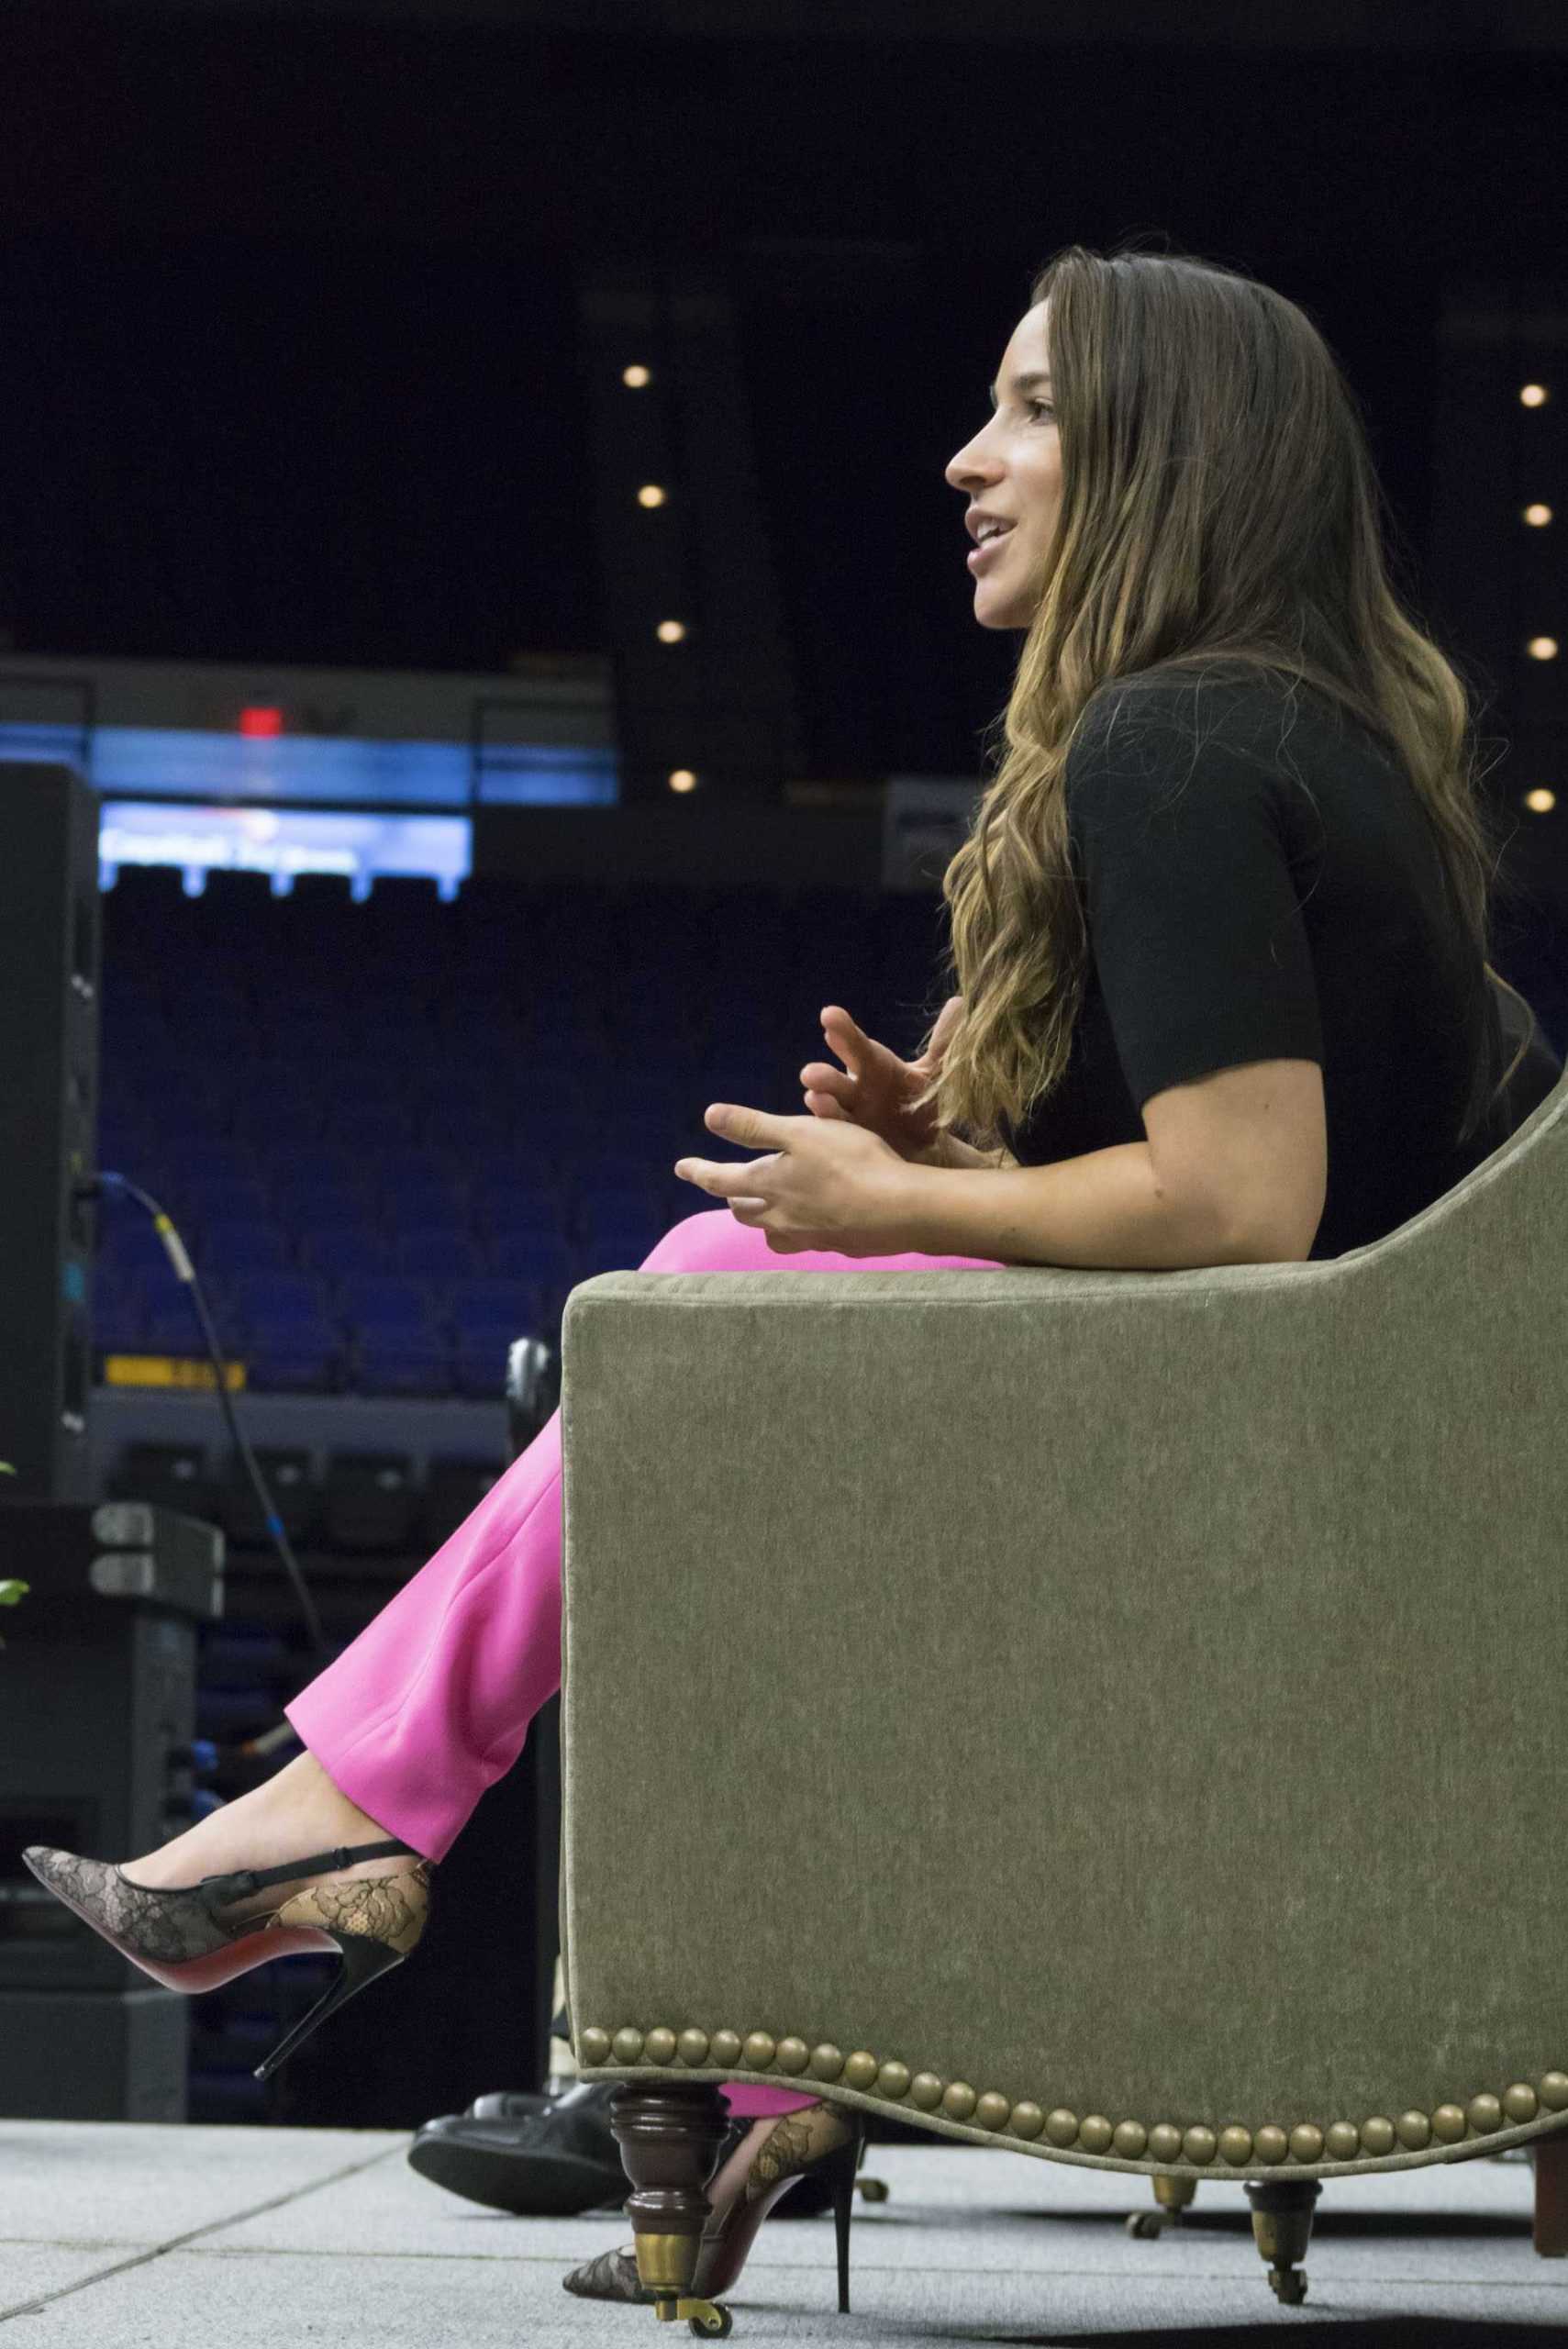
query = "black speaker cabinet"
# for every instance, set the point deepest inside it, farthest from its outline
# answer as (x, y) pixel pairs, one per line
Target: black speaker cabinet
(51, 952)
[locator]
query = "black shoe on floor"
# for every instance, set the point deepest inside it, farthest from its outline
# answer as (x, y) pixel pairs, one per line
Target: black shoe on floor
(508, 2104)
(553, 2156)
(554, 2162)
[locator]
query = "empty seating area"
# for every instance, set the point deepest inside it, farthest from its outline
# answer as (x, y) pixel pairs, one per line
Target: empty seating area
(365, 1510)
(394, 1135)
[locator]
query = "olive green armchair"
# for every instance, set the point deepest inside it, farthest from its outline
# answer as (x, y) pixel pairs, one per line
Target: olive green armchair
(1115, 1716)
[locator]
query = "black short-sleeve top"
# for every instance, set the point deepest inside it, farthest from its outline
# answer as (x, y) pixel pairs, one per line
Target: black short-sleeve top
(1261, 882)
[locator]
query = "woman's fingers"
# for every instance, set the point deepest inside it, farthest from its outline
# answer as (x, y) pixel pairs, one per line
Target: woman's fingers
(841, 1033)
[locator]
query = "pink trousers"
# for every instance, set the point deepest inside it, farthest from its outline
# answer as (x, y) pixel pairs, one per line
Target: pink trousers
(431, 1703)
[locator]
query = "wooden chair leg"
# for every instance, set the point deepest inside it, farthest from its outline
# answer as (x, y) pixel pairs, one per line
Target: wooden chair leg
(670, 2137)
(1552, 2195)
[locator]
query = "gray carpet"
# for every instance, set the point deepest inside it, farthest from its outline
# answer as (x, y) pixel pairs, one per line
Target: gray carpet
(114, 2234)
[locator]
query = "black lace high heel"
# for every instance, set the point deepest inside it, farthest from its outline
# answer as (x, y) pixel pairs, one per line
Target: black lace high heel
(181, 1939)
(726, 2240)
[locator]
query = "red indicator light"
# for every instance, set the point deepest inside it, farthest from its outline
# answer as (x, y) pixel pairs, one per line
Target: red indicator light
(260, 721)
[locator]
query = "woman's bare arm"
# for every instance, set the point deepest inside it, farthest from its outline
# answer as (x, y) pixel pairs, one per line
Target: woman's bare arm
(948, 1151)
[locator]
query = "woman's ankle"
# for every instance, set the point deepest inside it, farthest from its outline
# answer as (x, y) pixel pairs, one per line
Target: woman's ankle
(295, 1814)
(304, 1789)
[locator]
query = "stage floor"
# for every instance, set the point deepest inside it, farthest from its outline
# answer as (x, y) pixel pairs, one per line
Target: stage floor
(114, 2234)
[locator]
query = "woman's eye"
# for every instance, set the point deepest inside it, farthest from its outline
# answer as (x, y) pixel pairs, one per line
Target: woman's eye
(1044, 403)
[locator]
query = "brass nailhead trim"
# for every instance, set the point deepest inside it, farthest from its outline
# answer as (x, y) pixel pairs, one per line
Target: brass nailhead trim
(1306, 2142)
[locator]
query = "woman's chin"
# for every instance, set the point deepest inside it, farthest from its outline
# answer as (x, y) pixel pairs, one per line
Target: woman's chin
(1000, 611)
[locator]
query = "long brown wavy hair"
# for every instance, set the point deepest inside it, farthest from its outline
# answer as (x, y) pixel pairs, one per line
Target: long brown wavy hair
(1219, 505)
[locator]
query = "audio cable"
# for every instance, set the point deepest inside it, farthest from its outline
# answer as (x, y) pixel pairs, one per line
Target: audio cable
(185, 1272)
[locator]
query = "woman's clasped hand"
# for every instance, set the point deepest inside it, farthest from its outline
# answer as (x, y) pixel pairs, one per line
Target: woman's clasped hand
(823, 1184)
(836, 1179)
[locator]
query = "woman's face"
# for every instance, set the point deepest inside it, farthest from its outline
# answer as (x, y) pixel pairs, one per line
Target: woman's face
(1013, 469)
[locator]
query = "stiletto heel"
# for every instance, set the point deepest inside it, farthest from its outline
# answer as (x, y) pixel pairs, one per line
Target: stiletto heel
(726, 2244)
(726, 2241)
(181, 1937)
(843, 2164)
(363, 1960)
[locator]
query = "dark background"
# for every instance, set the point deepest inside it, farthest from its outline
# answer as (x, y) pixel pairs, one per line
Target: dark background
(290, 368)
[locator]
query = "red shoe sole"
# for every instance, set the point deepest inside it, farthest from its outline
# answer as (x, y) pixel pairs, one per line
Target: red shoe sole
(194, 1975)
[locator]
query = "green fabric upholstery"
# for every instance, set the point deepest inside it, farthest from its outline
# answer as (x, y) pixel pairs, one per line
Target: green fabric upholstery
(1127, 1698)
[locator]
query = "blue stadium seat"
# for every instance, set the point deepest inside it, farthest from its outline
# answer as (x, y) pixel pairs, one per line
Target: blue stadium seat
(321, 1206)
(171, 1327)
(401, 1361)
(238, 1246)
(437, 1253)
(126, 1241)
(346, 1252)
(535, 1169)
(578, 1141)
(320, 1162)
(272, 1073)
(109, 1288)
(124, 1118)
(628, 1202)
(303, 1356)
(274, 1325)
(479, 1361)
(137, 1253)
(471, 1125)
(540, 1256)
(493, 1304)
(411, 1164)
(364, 1088)
(122, 1153)
(127, 1152)
(497, 1207)
(226, 1199)
(429, 1206)
(367, 1301)
(119, 1319)
(271, 1121)
(132, 1004)
(169, 1136)
(168, 1070)
(204, 1158)
(406, 1051)
(613, 1250)
(259, 1295)
(187, 1126)
(367, 1125)
(313, 1042)
(204, 1070)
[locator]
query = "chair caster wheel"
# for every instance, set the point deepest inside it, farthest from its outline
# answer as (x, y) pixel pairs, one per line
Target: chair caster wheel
(874, 2190)
(1290, 2284)
(706, 2319)
(1173, 2196)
